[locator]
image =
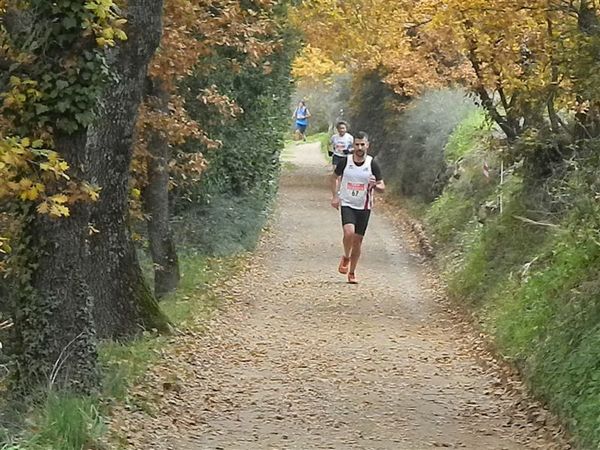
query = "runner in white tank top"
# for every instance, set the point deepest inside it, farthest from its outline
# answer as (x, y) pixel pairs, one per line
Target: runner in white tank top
(355, 189)
(341, 143)
(353, 183)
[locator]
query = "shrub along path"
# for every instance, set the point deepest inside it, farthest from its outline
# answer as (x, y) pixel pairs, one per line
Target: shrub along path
(301, 360)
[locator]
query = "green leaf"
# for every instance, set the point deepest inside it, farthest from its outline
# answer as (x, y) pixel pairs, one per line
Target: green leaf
(40, 108)
(69, 22)
(62, 84)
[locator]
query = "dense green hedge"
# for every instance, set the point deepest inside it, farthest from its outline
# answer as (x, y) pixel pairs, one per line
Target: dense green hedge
(226, 211)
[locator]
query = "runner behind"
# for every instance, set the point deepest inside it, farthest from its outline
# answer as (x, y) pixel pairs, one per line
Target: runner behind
(301, 116)
(341, 143)
(352, 184)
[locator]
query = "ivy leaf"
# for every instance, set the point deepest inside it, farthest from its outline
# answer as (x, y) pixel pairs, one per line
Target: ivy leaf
(62, 84)
(40, 108)
(69, 22)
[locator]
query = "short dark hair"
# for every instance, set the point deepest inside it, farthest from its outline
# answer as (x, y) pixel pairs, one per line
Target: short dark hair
(361, 135)
(341, 122)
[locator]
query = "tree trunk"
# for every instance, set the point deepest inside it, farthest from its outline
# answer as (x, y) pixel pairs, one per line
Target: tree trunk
(156, 201)
(124, 303)
(54, 326)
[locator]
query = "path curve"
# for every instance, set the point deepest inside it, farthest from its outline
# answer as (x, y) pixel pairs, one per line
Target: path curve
(302, 360)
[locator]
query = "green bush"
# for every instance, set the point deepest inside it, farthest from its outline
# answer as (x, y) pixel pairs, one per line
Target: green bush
(466, 135)
(63, 422)
(225, 212)
(224, 226)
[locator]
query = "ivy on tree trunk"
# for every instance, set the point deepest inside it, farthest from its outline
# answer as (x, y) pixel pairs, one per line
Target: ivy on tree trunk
(54, 325)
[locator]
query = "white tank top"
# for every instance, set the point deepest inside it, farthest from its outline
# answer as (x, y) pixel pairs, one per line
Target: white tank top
(354, 189)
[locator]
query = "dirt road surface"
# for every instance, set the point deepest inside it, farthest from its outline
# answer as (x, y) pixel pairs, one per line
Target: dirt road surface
(300, 359)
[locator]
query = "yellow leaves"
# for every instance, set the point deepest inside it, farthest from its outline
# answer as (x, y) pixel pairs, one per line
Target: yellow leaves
(363, 35)
(107, 26)
(429, 43)
(54, 206)
(59, 199)
(30, 190)
(92, 192)
(54, 164)
(120, 34)
(314, 64)
(19, 92)
(103, 42)
(4, 245)
(194, 31)
(31, 173)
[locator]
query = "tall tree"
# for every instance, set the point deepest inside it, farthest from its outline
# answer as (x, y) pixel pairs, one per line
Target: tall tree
(56, 142)
(124, 303)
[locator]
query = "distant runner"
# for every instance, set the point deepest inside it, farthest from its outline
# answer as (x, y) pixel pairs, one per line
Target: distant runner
(352, 184)
(341, 143)
(301, 116)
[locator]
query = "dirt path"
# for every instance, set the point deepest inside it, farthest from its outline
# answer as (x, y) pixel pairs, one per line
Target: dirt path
(302, 360)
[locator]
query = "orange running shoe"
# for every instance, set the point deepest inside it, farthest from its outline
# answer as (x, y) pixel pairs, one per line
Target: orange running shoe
(344, 264)
(352, 278)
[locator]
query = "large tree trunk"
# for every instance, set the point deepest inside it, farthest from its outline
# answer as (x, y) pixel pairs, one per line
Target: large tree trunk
(54, 326)
(156, 200)
(124, 303)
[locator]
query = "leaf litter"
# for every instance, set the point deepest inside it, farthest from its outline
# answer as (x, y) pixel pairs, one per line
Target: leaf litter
(298, 359)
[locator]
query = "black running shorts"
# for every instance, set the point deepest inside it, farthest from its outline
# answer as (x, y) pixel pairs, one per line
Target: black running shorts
(358, 217)
(335, 159)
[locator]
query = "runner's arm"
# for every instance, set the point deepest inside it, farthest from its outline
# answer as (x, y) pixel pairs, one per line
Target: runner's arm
(335, 185)
(379, 184)
(336, 179)
(335, 199)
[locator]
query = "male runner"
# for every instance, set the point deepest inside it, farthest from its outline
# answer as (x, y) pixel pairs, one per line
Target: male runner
(352, 184)
(301, 116)
(340, 143)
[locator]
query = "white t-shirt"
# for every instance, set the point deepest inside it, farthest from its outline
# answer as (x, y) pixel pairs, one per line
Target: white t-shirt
(341, 144)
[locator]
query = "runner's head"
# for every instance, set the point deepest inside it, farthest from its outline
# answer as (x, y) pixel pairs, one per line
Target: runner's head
(361, 144)
(341, 127)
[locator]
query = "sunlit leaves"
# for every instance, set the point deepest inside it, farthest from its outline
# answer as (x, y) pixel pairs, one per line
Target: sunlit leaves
(524, 59)
(28, 168)
(313, 64)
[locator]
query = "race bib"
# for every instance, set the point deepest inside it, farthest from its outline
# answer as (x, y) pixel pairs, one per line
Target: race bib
(356, 189)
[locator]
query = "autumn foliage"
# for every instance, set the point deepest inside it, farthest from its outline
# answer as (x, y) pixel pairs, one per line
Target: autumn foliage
(526, 61)
(95, 104)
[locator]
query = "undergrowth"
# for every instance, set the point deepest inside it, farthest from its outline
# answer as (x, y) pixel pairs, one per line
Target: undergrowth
(534, 286)
(67, 422)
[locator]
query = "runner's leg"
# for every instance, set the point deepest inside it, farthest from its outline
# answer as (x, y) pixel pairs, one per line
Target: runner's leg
(362, 220)
(348, 220)
(348, 239)
(356, 249)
